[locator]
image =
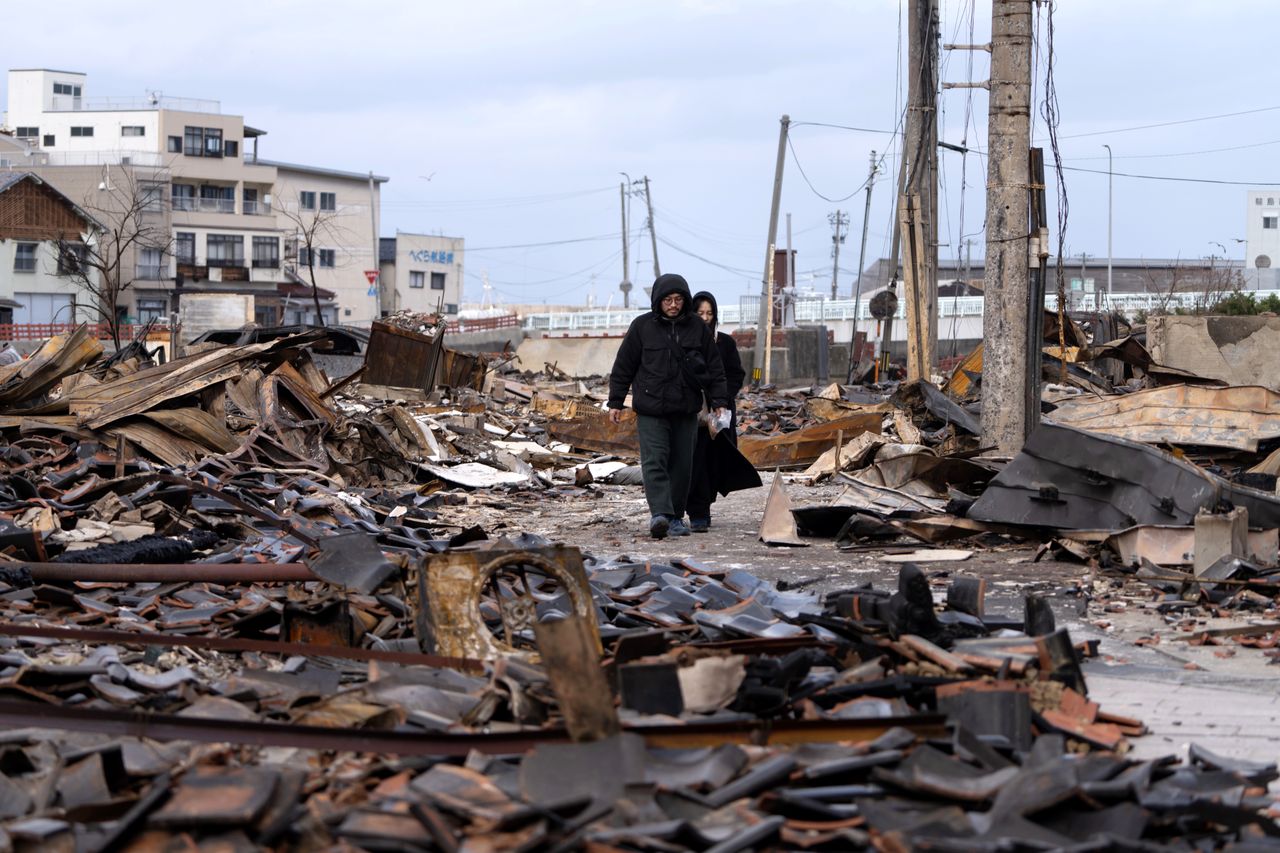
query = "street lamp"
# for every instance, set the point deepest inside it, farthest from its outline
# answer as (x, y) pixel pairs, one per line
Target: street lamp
(1109, 208)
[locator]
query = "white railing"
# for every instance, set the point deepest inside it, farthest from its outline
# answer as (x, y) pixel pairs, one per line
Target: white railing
(218, 205)
(147, 159)
(150, 272)
(257, 208)
(70, 103)
(809, 311)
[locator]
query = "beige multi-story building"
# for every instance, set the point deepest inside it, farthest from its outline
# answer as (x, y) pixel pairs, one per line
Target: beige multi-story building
(422, 272)
(238, 224)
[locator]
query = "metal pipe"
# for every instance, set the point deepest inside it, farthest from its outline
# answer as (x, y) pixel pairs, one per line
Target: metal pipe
(169, 572)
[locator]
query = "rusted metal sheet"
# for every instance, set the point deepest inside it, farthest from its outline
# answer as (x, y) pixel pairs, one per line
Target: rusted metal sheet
(1173, 545)
(1235, 418)
(399, 358)
(452, 585)
(593, 432)
(18, 714)
(804, 446)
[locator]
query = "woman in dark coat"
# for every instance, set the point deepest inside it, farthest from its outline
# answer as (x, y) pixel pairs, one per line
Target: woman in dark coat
(702, 487)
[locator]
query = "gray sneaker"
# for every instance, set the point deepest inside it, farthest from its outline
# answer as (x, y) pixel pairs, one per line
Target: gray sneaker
(658, 527)
(678, 527)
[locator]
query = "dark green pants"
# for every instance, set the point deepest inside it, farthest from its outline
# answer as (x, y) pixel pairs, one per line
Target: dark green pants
(666, 460)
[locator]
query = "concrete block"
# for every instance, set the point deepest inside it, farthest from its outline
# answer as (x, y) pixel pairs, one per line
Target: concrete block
(1221, 536)
(1237, 350)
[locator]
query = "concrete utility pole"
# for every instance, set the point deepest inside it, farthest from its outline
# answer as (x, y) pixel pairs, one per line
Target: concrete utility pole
(758, 370)
(625, 286)
(919, 202)
(1109, 211)
(862, 259)
(1007, 391)
(840, 222)
(653, 235)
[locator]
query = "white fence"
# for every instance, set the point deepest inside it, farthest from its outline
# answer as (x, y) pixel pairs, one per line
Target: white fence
(810, 311)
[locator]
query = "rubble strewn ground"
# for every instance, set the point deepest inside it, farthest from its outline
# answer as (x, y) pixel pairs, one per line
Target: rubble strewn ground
(247, 605)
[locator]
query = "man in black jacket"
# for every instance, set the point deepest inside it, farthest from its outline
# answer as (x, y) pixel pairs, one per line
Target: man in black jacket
(669, 361)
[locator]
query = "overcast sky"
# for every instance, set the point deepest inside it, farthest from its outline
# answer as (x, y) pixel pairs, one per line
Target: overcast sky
(507, 123)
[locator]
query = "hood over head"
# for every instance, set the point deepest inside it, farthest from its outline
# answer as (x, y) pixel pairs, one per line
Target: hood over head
(666, 284)
(702, 295)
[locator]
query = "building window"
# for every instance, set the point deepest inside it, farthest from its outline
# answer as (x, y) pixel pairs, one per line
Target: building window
(151, 198)
(71, 258)
(451, 308)
(217, 199)
(48, 140)
(175, 145)
(326, 257)
(225, 250)
(231, 148)
(1270, 201)
(328, 201)
(25, 259)
(307, 200)
(266, 252)
(1258, 201)
(26, 132)
(184, 197)
(417, 279)
(152, 309)
(81, 131)
(437, 281)
(151, 265)
(132, 130)
(184, 245)
(1269, 221)
(212, 142)
(66, 89)
(193, 141)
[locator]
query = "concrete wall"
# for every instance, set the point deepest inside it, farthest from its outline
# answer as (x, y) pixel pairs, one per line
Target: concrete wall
(578, 357)
(1238, 350)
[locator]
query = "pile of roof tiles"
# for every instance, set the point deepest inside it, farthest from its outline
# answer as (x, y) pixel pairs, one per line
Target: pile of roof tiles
(750, 718)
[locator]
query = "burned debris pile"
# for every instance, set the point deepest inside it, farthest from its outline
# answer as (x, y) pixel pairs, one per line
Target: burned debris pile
(235, 613)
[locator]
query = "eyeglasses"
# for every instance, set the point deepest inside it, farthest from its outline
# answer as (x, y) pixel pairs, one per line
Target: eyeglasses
(672, 298)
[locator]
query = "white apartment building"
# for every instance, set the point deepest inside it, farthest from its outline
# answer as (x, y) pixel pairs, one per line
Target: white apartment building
(200, 173)
(1262, 229)
(423, 272)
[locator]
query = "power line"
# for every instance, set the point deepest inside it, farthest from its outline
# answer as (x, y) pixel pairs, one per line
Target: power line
(843, 127)
(1180, 153)
(1170, 123)
(725, 267)
(1173, 179)
(613, 236)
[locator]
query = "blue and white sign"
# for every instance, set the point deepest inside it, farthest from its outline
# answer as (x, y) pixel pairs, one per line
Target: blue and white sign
(425, 257)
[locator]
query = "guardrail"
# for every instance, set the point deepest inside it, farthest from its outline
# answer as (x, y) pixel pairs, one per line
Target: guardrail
(482, 324)
(44, 331)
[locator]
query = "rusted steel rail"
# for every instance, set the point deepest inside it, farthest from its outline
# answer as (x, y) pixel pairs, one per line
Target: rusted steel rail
(18, 714)
(235, 644)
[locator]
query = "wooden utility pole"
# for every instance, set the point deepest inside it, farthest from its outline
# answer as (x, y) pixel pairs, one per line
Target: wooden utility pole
(920, 147)
(653, 235)
(862, 260)
(1008, 393)
(766, 290)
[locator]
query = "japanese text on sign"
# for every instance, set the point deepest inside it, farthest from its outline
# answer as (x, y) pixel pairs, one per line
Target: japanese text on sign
(425, 257)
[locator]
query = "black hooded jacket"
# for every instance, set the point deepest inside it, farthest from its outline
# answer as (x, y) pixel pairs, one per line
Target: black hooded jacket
(647, 363)
(734, 375)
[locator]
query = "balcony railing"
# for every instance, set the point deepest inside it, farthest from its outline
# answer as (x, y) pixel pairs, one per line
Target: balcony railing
(70, 103)
(257, 208)
(266, 263)
(185, 202)
(226, 262)
(151, 272)
(217, 205)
